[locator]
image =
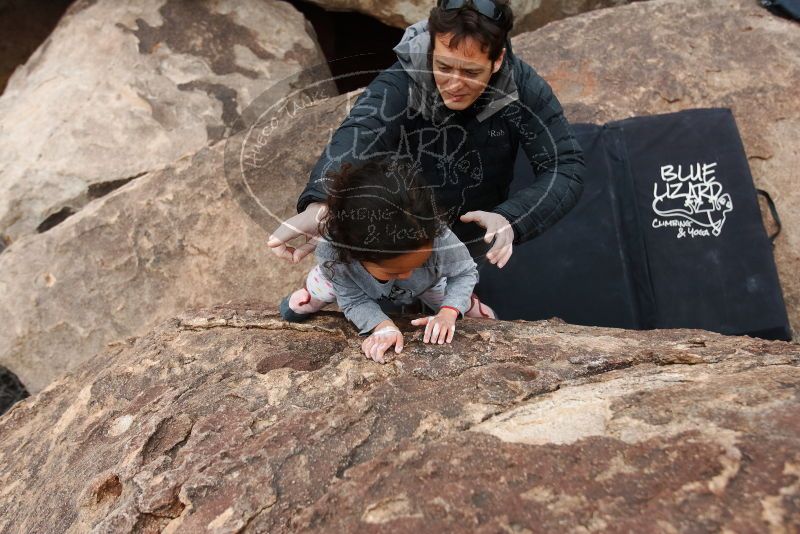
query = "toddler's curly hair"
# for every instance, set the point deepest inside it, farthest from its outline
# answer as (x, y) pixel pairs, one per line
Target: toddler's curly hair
(379, 210)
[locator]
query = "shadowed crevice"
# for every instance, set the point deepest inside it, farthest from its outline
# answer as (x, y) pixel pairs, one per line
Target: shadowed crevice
(93, 192)
(101, 189)
(55, 219)
(11, 390)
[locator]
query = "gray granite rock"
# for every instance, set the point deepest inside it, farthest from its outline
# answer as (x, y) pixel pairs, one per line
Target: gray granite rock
(124, 88)
(182, 236)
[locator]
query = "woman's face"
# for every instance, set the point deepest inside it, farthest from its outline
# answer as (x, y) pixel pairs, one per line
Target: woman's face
(461, 74)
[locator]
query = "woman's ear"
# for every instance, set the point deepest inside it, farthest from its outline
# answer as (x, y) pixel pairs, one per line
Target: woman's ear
(499, 62)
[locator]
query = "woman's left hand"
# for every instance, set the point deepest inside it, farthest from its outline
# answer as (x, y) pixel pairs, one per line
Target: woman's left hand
(439, 328)
(497, 228)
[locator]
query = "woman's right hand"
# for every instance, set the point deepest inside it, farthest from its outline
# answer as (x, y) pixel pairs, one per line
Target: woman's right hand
(382, 338)
(303, 224)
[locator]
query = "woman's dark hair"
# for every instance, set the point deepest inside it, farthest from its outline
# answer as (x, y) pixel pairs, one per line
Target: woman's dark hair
(379, 210)
(466, 22)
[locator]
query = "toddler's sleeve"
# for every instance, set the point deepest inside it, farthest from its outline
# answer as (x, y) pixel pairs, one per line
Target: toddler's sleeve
(359, 308)
(454, 262)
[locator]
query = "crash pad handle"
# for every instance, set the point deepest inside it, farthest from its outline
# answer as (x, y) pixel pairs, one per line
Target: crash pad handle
(774, 212)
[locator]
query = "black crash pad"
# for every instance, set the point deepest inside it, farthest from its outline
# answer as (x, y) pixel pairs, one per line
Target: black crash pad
(667, 234)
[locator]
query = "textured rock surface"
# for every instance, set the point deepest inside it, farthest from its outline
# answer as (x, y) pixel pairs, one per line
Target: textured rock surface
(167, 240)
(529, 14)
(228, 420)
(122, 88)
(664, 56)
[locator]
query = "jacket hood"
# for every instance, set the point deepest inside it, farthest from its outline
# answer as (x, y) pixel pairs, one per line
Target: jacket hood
(412, 52)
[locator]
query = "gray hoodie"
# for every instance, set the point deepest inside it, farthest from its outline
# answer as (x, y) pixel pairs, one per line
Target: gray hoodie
(358, 292)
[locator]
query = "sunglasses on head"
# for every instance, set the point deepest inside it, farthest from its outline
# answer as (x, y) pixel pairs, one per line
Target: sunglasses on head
(487, 8)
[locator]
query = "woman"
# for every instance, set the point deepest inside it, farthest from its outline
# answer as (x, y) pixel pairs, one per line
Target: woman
(457, 106)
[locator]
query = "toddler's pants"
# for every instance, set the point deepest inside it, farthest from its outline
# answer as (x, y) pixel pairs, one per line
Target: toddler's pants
(320, 288)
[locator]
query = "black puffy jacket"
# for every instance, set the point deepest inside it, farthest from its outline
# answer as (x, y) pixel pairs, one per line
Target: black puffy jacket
(467, 156)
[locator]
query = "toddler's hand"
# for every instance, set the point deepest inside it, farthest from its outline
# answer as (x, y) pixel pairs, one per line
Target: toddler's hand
(439, 328)
(381, 339)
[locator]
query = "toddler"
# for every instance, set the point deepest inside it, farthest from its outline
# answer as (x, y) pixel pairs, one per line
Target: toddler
(382, 241)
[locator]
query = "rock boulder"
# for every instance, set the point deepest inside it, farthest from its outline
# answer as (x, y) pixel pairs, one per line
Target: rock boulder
(123, 88)
(167, 240)
(528, 14)
(230, 420)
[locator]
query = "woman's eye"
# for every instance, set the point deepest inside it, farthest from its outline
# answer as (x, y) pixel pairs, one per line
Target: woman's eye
(444, 69)
(471, 73)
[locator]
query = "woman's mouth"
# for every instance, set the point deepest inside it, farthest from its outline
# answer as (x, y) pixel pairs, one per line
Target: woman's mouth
(457, 98)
